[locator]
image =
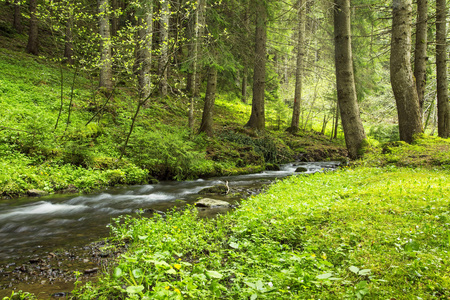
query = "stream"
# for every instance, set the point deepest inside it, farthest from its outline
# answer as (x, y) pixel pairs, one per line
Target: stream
(32, 228)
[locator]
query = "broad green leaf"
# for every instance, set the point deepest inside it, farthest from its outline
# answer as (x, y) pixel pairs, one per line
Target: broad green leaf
(214, 274)
(137, 273)
(364, 272)
(117, 272)
(354, 269)
(171, 271)
(234, 245)
(135, 289)
(324, 276)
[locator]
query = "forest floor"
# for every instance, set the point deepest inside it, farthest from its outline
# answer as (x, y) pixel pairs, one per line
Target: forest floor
(376, 232)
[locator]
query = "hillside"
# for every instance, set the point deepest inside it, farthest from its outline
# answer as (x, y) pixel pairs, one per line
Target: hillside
(59, 133)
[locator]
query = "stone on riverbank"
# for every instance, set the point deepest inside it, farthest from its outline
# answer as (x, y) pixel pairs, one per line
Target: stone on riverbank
(36, 193)
(220, 189)
(301, 170)
(208, 202)
(272, 167)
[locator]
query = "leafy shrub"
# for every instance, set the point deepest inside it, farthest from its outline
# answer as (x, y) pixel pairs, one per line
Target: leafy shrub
(166, 154)
(385, 133)
(263, 145)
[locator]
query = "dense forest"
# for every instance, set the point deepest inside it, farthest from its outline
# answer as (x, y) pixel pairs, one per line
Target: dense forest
(95, 94)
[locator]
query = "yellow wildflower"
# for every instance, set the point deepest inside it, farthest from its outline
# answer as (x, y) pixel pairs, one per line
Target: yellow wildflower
(178, 291)
(177, 266)
(167, 287)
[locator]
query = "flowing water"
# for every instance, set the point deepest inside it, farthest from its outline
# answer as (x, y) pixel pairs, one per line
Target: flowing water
(31, 226)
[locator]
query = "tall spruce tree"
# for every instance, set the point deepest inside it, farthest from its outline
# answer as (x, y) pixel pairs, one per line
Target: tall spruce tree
(402, 80)
(345, 82)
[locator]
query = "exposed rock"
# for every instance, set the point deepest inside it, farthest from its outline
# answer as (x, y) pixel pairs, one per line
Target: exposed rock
(36, 193)
(301, 170)
(90, 271)
(272, 167)
(208, 202)
(220, 189)
(154, 211)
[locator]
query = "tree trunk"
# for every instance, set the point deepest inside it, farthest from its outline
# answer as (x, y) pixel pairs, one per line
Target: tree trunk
(441, 70)
(420, 57)
(144, 53)
(32, 46)
(114, 19)
(299, 70)
(105, 81)
(257, 117)
(194, 56)
(244, 60)
(210, 97)
(244, 85)
(17, 22)
(164, 44)
(68, 40)
(402, 81)
(336, 121)
(345, 81)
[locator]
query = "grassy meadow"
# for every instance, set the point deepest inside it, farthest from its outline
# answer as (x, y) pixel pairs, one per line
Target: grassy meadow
(365, 232)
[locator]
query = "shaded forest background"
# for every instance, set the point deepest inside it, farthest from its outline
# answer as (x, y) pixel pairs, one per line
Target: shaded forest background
(127, 86)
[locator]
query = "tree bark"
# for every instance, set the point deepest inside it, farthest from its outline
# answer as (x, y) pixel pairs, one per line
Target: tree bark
(210, 97)
(257, 117)
(345, 81)
(402, 81)
(299, 70)
(245, 63)
(114, 19)
(244, 85)
(441, 70)
(144, 53)
(17, 22)
(33, 45)
(420, 56)
(105, 46)
(194, 56)
(164, 44)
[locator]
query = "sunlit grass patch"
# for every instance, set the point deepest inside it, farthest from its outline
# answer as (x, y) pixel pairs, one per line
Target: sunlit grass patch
(354, 233)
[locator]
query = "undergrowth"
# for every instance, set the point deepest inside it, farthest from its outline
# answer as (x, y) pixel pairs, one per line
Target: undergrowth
(371, 233)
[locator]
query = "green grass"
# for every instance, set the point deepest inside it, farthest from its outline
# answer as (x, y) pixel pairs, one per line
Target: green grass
(425, 151)
(375, 233)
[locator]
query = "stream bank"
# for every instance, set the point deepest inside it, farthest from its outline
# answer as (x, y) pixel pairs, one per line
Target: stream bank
(48, 238)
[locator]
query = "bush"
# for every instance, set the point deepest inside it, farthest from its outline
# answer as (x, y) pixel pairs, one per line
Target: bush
(165, 153)
(385, 133)
(262, 145)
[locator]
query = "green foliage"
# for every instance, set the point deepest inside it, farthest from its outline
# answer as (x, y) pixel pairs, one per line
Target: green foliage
(263, 145)
(167, 153)
(336, 235)
(425, 151)
(385, 133)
